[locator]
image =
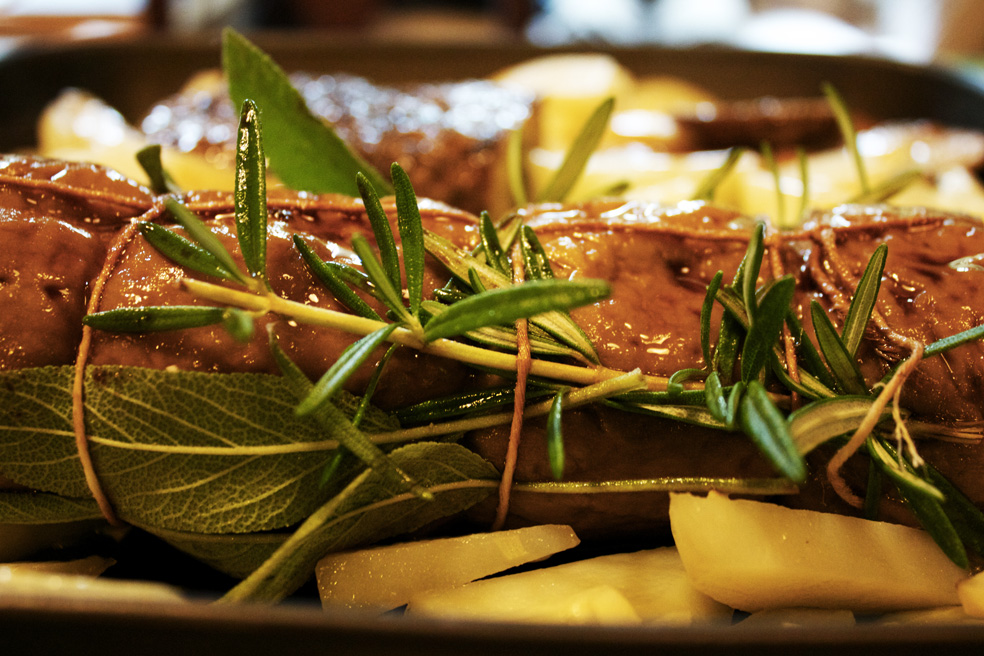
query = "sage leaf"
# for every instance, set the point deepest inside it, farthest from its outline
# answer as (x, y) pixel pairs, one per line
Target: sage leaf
(381, 230)
(250, 192)
(578, 155)
(304, 151)
(149, 158)
(330, 274)
(370, 509)
(503, 306)
(555, 437)
(25, 507)
(764, 331)
(234, 554)
(761, 420)
(155, 318)
(184, 252)
(202, 236)
(353, 357)
(859, 312)
(842, 365)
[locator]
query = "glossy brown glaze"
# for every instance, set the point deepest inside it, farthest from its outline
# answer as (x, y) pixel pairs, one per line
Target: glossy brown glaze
(659, 261)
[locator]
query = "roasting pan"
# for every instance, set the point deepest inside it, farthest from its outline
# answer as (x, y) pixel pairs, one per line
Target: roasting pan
(131, 75)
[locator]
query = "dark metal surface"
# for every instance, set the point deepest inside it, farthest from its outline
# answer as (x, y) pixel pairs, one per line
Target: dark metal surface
(133, 75)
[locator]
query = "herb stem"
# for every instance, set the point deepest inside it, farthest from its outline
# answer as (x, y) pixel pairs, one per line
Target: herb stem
(466, 353)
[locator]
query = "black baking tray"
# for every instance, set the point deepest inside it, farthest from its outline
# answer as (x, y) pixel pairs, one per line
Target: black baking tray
(132, 75)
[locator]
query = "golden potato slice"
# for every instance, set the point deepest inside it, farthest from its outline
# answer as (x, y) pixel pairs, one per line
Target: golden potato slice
(755, 556)
(386, 577)
(783, 618)
(971, 594)
(652, 581)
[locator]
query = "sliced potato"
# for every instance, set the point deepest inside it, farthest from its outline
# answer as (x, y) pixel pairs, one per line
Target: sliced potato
(89, 566)
(386, 577)
(931, 616)
(653, 582)
(797, 617)
(570, 87)
(19, 582)
(971, 594)
(755, 556)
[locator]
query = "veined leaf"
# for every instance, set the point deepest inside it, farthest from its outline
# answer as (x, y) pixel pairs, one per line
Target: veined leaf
(766, 426)
(304, 151)
(381, 230)
(505, 305)
(859, 313)
(250, 194)
(842, 364)
(371, 509)
(580, 152)
(25, 507)
(202, 236)
(149, 158)
(155, 319)
(235, 554)
(763, 334)
(335, 423)
(185, 252)
(351, 359)
(330, 275)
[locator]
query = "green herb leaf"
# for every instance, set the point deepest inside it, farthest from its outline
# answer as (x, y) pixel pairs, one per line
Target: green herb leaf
(766, 426)
(842, 364)
(371, 509)
(705, 317)
(826, 419)
(708, 186)
(458, 262)
(204, 237)
(185, 252)
(953, 341)
(555, 437)
(577, 157)
(155, 319)
(250, 194)
(388, 294)
(494, 255)
(714, 397)
(764, 332)
(506, 305)
(465, 403)
(872, 491)
(535, 261)
(859, 313)
(846, 125)
(750, 266)
(239, 324)
(381, 230)
(305, 152)
(149, 158)
(515, 169)
(967, 519)
(330, 275)
(353, 357)
(675, 383)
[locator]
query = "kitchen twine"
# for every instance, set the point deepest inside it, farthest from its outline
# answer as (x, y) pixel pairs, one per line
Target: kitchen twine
(78, 386)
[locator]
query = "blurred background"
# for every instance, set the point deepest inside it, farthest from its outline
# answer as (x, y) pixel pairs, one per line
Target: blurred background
(916, 31)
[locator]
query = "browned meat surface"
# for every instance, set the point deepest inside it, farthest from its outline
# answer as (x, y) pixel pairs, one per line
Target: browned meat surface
(658, 260)
(449, 137)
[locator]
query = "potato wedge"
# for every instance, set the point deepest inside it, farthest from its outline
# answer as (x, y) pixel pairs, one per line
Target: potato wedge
(652, 581)
(971, 594)
(386, 577)
(754, 556)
